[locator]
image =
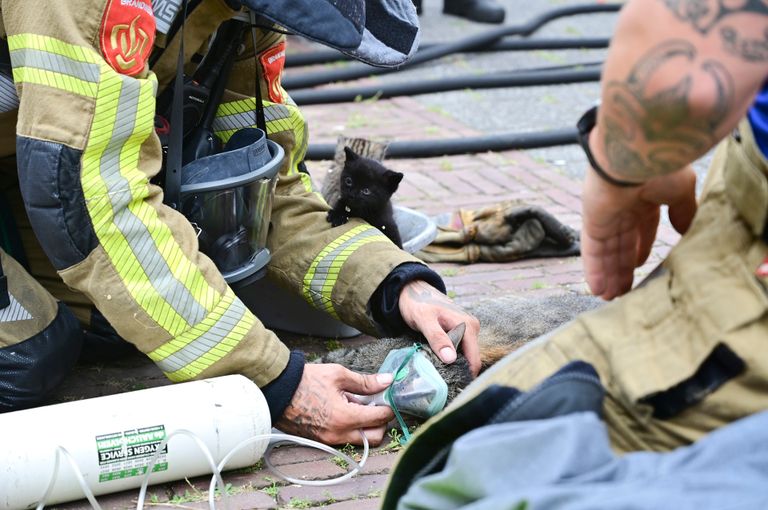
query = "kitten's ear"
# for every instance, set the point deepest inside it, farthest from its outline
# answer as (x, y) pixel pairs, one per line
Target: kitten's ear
(393, 179)
(351, 155)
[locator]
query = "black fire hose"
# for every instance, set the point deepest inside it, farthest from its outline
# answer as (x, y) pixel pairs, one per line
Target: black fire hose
(465, 145)
(469, 44)
(508, 79)
(327, 56)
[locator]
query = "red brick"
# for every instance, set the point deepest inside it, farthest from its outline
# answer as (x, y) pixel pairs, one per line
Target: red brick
(500, 178)
(565, 266)
(522, 284)
(563, 182)
(566, 199)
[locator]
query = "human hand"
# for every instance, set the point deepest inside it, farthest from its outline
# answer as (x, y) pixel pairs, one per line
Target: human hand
(321, 409)
(432, 313)
(619, 225)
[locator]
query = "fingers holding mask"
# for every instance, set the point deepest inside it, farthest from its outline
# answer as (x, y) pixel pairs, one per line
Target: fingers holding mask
(321, 410)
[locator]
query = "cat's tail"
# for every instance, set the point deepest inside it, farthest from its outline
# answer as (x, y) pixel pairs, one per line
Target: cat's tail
(490, 354)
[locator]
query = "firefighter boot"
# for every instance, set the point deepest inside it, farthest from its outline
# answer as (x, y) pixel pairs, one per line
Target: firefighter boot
(482, 11)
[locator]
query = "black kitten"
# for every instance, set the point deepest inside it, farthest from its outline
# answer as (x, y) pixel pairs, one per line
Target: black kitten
(366, 189)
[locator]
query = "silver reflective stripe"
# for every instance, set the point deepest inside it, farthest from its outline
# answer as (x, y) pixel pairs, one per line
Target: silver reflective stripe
(14, 312)
(9, 101)
(55, 63)
(207, 340)
(248, 119)
(135, 231)
(325, 269)
(165, 12)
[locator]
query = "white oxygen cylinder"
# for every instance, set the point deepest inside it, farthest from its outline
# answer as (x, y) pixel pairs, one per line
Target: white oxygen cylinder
(113, 438)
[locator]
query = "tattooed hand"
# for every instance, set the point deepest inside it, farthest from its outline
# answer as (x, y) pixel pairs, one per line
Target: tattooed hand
(432, 313)
(321, 410)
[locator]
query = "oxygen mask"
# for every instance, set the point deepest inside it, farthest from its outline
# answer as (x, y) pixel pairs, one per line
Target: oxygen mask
(418, 388)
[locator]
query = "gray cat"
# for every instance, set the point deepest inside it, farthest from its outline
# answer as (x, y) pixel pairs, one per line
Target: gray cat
(506, 323)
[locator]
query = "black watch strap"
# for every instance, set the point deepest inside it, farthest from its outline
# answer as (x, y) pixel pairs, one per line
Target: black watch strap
(584, 126)
(5, 297)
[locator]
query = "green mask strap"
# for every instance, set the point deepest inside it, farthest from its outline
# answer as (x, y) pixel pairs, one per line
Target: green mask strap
(399, 374)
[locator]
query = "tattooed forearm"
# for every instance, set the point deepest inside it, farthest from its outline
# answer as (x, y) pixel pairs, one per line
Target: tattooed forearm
(650, 123)
(308, 414)
(726, 18)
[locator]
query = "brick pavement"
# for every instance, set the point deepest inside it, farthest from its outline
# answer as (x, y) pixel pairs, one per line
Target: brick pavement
(431, 185)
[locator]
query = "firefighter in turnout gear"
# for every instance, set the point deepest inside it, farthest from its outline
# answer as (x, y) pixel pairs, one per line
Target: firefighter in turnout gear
(95, 234)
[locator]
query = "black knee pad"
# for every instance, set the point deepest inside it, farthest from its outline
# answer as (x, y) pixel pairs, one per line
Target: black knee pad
(30, 369)
(101, 343)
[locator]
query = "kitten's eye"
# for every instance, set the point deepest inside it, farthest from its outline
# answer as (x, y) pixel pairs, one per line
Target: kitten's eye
(348, 181)
(366, 191)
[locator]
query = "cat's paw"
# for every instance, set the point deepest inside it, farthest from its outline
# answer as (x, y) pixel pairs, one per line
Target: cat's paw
(336, 218)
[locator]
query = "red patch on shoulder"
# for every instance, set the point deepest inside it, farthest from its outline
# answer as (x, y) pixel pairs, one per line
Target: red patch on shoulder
(762, 269)
(127, 35)
(272, 64)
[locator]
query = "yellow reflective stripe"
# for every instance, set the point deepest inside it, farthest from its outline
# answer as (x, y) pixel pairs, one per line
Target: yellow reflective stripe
(47, 61)
(235, 115)
(157, 274)
(323, 273)
(233, 107)
(52, 45)
(101, 198)
(56, 80)
(188, 355)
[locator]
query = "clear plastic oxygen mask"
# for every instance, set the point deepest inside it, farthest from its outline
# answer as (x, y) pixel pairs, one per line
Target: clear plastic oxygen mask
(418, 388)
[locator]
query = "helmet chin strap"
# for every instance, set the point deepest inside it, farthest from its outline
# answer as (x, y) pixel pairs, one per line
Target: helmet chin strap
(172, 185)
(261, 122)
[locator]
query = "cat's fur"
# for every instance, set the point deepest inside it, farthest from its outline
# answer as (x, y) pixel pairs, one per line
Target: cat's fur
(365, 191)
(507, 323)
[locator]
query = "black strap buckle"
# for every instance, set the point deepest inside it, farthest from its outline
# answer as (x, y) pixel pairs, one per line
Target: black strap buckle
(765, 232)
(5, 297)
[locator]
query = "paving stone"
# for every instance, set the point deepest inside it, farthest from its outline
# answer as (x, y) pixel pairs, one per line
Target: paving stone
(565, 266)
(291, 454)
(356, 504)
(358, 487)
(469, 289)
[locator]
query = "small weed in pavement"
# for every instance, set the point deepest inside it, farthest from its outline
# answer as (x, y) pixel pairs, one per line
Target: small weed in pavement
(273, 490)
(299, 503)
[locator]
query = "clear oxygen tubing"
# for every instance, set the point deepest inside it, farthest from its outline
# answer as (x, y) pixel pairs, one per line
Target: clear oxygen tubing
(275, 439)
(102, 445)
(78, 474)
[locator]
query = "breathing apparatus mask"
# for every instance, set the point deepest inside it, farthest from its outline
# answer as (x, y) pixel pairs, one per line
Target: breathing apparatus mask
(227, 194)
(228, 198)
